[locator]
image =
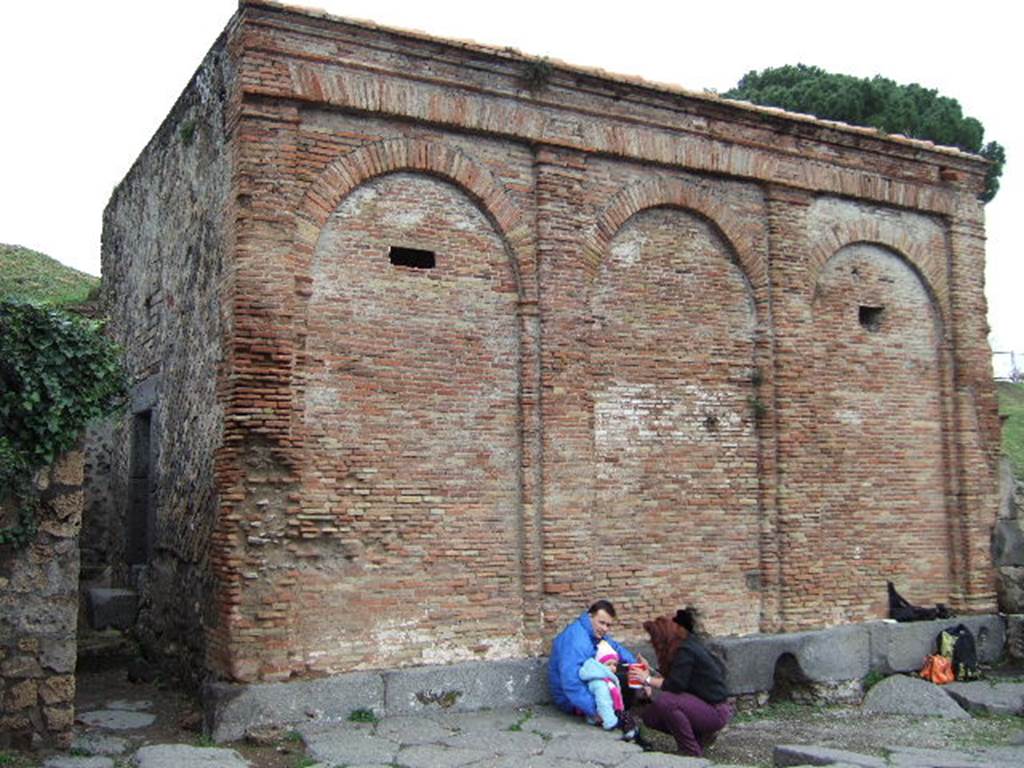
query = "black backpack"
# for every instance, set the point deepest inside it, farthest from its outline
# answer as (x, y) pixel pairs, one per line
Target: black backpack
(965, 653)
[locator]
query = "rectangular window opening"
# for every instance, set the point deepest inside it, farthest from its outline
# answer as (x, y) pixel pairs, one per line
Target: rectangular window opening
(411, 257)
(871, 317)
(139, 527)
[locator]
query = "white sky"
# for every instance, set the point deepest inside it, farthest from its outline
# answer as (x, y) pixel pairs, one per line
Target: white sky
(85, 84)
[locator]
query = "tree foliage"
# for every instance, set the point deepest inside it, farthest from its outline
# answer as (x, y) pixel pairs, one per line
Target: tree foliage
(878, 102)
(57, 372)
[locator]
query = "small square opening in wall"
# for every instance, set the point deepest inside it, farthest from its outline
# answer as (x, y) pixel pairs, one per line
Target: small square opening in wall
(871, 317)
(411, 257)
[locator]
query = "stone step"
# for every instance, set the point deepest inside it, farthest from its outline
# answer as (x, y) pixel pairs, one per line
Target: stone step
(111, 607)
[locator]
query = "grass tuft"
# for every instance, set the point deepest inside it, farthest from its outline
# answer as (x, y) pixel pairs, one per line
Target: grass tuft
(1011, 404)
(32, 276)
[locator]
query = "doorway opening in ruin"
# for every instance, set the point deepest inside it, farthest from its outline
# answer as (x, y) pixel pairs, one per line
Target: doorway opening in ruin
(139, 530)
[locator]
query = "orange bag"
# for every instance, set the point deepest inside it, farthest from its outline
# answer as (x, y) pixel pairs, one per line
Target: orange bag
(938, 669)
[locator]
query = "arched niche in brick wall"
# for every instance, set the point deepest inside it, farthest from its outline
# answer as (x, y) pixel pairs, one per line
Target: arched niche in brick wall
(676, 445)
(923, 248)
(410, 422)
(349, 171)
(743, 235)
(872, 461)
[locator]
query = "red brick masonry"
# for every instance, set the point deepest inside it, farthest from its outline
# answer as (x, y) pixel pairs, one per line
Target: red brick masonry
(672, 348)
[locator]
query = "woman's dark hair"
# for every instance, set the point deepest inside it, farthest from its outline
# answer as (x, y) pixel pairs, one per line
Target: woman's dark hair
(602, 605)
(686, 618)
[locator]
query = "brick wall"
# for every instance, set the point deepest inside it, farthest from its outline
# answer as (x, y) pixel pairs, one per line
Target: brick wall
(639, 367)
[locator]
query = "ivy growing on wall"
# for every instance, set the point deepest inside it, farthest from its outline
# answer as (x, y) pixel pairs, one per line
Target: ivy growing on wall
(57, 371)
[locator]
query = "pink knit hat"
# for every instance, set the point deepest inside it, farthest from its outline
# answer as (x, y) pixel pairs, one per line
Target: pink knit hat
(606, 653)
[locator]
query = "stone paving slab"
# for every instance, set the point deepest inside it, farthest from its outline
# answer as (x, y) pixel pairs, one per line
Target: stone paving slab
(601, 748)
(137, 705)
(117, 719)
(988, 697)
(409, 731)
(499, 742)
(483, 721)
(787, 755)
(664, 760)
(187, 756)
(78, 762)
(531, 761)
(437, 756)
(348, 746)
(93, 743)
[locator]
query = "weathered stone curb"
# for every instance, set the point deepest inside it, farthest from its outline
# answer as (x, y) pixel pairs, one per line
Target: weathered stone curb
(827, 656)
(232, 709)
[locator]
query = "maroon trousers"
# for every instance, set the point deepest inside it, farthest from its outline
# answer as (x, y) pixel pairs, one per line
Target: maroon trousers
(690, 719)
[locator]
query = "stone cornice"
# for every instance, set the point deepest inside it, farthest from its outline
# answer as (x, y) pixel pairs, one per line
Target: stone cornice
(316, 59)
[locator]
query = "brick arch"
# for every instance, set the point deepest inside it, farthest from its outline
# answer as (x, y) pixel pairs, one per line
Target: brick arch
(929, 266)
(742, 237)
(348, 172)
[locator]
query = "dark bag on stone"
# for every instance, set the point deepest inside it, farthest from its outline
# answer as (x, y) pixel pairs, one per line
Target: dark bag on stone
(902, 610)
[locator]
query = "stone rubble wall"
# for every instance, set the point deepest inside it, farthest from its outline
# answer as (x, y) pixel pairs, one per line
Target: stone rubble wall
(166, 282)
(39, 616)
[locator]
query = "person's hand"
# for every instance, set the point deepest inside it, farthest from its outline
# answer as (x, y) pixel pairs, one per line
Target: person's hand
(641, 660)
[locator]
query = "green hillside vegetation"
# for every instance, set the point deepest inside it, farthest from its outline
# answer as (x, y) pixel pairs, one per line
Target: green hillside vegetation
(32, 276)
(1011, 404)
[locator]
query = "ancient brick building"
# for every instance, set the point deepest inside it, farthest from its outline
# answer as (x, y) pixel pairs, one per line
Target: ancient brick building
(437, 342)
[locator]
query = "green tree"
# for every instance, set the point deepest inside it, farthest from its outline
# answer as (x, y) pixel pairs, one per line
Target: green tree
(877, 103)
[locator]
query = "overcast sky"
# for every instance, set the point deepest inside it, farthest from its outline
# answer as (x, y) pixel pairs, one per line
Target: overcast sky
(85, 84)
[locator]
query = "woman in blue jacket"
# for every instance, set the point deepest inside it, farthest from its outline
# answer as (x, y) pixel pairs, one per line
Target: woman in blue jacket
(573, 646)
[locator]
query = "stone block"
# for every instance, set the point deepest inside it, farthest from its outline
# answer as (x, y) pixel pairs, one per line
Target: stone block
(824, 656)
(902, 646)
(59, 654)
(1010, 588)
(59, 719)
(110, 607)
(68, 507)
(1008, 543)
(21, 665)
(58, 689)
(906, 695)
(21, 695)
(467, 686)
(231, 709)
(1015, 636)
(69, 469)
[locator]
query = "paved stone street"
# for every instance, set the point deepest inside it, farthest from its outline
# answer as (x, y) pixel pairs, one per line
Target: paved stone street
(113, 735)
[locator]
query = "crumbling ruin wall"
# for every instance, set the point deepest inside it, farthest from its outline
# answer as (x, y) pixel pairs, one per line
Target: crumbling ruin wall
(39, 615)
(501, 338)
(166, 280)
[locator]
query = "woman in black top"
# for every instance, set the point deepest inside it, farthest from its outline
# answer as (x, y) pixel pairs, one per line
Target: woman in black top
(692, 699)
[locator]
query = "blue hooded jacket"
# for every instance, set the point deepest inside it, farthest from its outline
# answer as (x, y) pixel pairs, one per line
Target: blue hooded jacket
(573, 646)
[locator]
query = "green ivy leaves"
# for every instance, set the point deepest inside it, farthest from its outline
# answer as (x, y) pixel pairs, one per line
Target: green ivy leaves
(57, 372)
